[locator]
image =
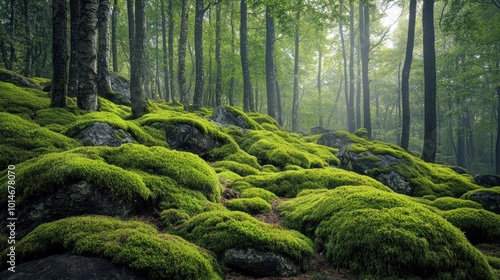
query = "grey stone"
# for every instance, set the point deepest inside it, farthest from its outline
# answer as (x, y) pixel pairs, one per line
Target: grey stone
(319, 130)
(487, 180)
(259, 263)
(223, 116)
(16, 79)
(121, 88)
(489, 200)
(184, 137)
(332, 140)
(70, 200)
(102, 134)
(71, 267)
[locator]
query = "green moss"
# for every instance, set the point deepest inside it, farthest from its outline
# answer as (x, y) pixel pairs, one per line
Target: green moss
(480, 226)
(22, 140)
(219, 231)
(21, 101)
(494, 262)
(292, 167)
(60, 116)
(171, 218)
(361, 133)
(251, 124)
(257, 192)
(290, 183)
(110, 107)
(383, 235)
(134, 244)
(267, 122)
(40, 81)
(236, 167)
(449, 203)
(227, 175)
(269, 168)
(471, 194)
(253, 205)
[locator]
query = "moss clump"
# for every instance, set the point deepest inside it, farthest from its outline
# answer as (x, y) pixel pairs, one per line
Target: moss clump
(219, 231)
(22, 140)
(257, 192)
(251, 124)
(290, 183)
(267, 122)
(171, 218)
(480, 226)
(384, 235)
(225, 175)
(449, 203)
(110, 107)
(486, 197)
(253, 205)
(361, 133)
(236, 167)
(269, 168)
(134, 244)
(21, 101)
(58, 116)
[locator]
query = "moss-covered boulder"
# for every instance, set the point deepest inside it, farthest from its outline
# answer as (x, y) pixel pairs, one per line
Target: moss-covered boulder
(253, 205)
(489, 198)
(379, 234)
(102, 134)
(480, 226)
(227, 115)
(290, 183)
(7, 76)
(487, 180)
(450, 203)
(220, 231)
(258, 192)
(136, 245)
(236, 167)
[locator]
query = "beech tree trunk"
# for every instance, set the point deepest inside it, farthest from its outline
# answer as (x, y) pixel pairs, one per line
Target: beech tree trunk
(295, 102)
(171, 51)
(103, 54)
(138, 61)
(199, 85)
(59, 54)
(272, 109)
(182, 55)
(28, 60)
(497, 153)
(365, 59)
(165, 55)
(218, 78)
(87, 56)
(247, 82)
(12, 60)
(73, 62)
(405, 79)
(231, 83)
(351, 122)
(430, 122)
(114, 45)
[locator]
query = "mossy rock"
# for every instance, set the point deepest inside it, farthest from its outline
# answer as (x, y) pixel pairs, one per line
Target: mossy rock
(220, 231)
(171, 218)
(290, 183)
(450, 203)
(236, 167)
(489, 198)
(258, 192)
(252, 205)
(383, 235)
(135, 244)
(21, 101)
(7, 76)
(480, 226)
(228, 115)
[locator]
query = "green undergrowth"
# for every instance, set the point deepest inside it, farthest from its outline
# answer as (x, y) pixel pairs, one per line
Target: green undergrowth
(383, 235)
(265, 121)
(134, 244)
(252, 205)
(480, 226)
(290, 183)
(236, 167)
(21, 101)
(258, 192)
(171, 218)
(22, 140)
(219, 231)
(450, 203)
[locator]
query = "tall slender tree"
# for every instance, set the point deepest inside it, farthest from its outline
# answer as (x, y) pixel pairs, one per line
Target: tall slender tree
(103, 54)
(218, 78)
(247, 82)
(351, 122)
(28, 60)
(138, 61)
(73, 61)
(59, 56)
(114, 44)
(170, 16)
(272, 109)
(365, 60)
(182, 55)
(199, 86)
(430, 114)
(405, 79)
(165, 54)
(295, 102)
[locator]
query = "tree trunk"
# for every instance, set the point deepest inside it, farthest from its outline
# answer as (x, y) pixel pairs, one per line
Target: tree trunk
(218, 79)
(405, 79)
(272, 109)
(171, 51)
(12, 60)
(131, 26)
(231, 83)
(320, 102)
(247, 82)
(278, 97)
(114, 44)
(182, 55)
(59, 54)
(165, 54)
(87, 56)
(73, 64)
(344, 58)
(430, 123)
(103, 79)
(351, 122)
(365, 59)
(497, 151)
(358, 88)
(460, 152)
(138, 61)
(28, 40)
(199, 86)
(295, 102)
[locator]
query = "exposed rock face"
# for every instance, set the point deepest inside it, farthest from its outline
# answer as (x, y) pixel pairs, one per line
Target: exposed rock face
(70, 200)
(184, 137)
(371, 164)
(16, 79)
(223, 116)
(333, 141)
(258, 263)
(489, 200)
(68, 266)
(319, 130)
(487, 180)
(121, 88)
(102, 134)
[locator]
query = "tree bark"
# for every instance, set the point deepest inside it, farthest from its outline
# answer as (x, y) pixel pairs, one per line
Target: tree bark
(138, 60)
(295, 102)
(59, 54)
(103, 54)
(405, 79)
(247, 82)
(218, 78)
(182, 55)
(114, 44)
(171, 50)
(365, 59)
(272, 109)
(12, 60)
(131, 26)
(497, 150)
(278, 97)
(430, 122)
(165, 54)
(28, 61)
(351, 122)
(199, 86)
(320, 101)
(73, 64)
(231, 83)
(87, 56)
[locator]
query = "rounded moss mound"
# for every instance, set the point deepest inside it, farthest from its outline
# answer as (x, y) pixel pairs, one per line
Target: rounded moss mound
(236, 167)
(253, 206)
(219, 231)
(489, 198)
(290, 183)
(171, 218)
(258, 192)
(449, 203)
(379, 234)
(480, 226)
(134, 244)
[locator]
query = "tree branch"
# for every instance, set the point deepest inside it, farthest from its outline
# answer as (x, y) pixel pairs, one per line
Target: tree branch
(496, 3)
(387, 31)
